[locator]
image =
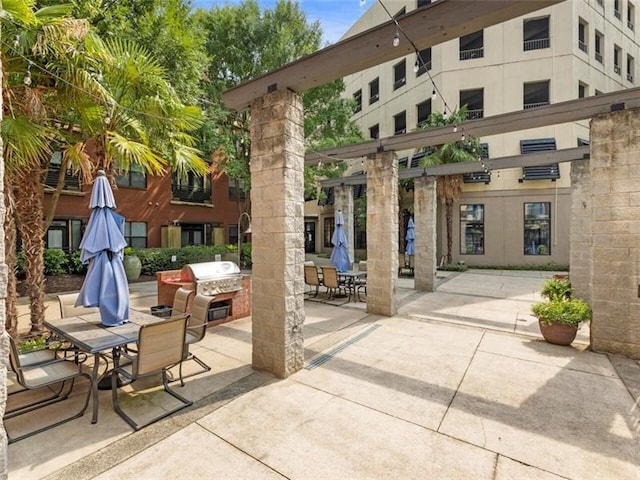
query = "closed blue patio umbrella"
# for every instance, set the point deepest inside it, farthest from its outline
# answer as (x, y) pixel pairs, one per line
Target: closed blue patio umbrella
(102, 247)
(410, 237)
(340, 253)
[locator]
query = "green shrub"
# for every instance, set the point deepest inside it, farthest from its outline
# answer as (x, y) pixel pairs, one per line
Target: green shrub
(568, 312)
(75, 265)
(556, 289)
(20, 265)
(245, 256)
(160, 259)
(55, 261)
(536, 267)
(454, 267)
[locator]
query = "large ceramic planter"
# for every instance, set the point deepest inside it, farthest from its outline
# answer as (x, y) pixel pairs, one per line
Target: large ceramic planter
(132, 266)
(558, 333)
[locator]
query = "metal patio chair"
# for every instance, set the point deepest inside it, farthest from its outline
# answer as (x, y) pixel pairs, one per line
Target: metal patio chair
(40, 370)
(196, 330)
(67, 302)
(181, 301)
(160, 346)
(331, 281)
(312, 278)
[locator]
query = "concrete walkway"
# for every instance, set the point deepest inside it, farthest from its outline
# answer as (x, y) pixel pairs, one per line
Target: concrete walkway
(458, 385)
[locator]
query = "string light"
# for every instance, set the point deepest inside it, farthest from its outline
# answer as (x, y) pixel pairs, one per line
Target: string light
(434, 95)
(27, 75)
(462, 137)
(455, 128)
(416, 66)
(16, 41)
(363, 2)
(396, 38)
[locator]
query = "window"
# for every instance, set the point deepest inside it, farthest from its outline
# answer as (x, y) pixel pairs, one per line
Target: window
(235, 190)
(374, 132)
(399, 74)
(422, 3)
(400, 123)
(472, 229)
(583, 29)
(582, 90)
(537, 228)
(135, 233)
(233, 234)
(631, 11)
(630, 68)
(539, 172)
(71, 181)
(196, 233)
(64, 234)
(474, 100)
(374, 91)
(193, 188)
(536, 94)
(599, 44)
(616, 9)
(328, 231)
(357, 97)
(617, 54)
(424, 110)
(536, 34)
(135, 178)
(424, 61)
(472, 46)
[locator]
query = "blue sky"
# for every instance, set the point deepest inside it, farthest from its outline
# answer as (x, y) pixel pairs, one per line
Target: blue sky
(335, 16)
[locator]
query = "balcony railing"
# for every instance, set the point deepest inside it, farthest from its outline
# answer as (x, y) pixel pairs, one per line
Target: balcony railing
(528, 106)
(616, 69)
(186, 193)
(472, 53)
(630, 77)
(71, 182)
(424, 68)
(536, 44)
(617, 14)
(583, 46)
(475, 114)
(399, 83)
(599, 57)
(630, 24)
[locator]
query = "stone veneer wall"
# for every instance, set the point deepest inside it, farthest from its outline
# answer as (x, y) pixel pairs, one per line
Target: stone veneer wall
(277, 210)
(425, 218)
(343, 200)
(580, 229)
(615, 228)
(382, 234)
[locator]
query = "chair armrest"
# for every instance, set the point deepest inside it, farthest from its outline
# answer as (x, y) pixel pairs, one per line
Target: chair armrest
(54, 361)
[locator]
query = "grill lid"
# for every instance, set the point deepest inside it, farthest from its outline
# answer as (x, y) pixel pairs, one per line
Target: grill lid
(208, 270)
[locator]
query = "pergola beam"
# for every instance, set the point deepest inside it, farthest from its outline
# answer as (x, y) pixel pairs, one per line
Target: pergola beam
(515, 161)
(563, 112)
(425, 27)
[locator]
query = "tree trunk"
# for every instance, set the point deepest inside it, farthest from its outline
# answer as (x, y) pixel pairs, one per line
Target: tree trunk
(448, 211)
(11, 323)
(29, 208)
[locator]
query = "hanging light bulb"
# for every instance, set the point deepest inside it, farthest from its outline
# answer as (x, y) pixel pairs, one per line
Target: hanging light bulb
(455, 128)
(396, 39)
(462, 137)
(434, 95)
(416, 66)
(319, 163)
(99, 76)
(27, 76)
(363, 2)
(16, 41)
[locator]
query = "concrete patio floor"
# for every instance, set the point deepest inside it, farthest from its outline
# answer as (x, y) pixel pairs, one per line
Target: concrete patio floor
(458, 385)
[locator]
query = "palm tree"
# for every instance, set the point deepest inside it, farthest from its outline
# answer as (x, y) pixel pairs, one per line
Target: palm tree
(449, 187)
(103, 105)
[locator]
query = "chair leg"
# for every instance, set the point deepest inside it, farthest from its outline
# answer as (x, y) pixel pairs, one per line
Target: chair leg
(45, 403)
(191, 356)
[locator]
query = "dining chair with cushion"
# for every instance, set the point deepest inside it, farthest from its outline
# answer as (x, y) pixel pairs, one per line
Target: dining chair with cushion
(312, 278)
(331, 281)
(160, 346)
(196, 330)
(181, 301)
(43, 370)
(67, 302)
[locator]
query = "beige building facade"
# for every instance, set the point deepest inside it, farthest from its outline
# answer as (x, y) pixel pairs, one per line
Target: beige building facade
(520, 216)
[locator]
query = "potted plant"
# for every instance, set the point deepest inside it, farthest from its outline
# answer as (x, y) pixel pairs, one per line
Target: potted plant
(132, 264)
(560, 316)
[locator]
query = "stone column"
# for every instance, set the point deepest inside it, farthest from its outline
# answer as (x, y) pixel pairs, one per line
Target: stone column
(382, 234)
(425, 219)
(615, 226)
(277, 226)
(344, 202)
(580, 261)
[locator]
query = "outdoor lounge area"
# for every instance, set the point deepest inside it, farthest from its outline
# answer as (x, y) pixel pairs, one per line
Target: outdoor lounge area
(461, 373)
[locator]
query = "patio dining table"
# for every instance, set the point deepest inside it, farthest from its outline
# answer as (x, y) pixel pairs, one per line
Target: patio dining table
(88, 334)
(350, 279)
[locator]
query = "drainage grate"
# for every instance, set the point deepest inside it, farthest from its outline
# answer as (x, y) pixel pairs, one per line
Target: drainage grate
(325, 357)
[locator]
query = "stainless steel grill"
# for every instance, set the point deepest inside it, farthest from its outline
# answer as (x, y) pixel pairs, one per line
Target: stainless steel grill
(212, 278)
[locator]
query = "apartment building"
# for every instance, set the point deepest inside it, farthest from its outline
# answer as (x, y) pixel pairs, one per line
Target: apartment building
(160, 211)
(574, 49)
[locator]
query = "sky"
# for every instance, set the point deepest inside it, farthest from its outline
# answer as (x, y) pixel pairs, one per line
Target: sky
(335, 16)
